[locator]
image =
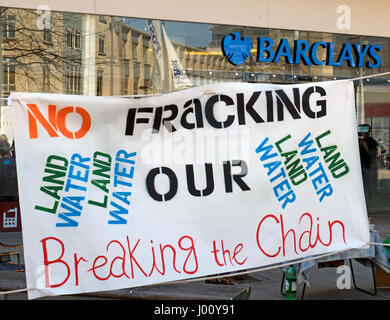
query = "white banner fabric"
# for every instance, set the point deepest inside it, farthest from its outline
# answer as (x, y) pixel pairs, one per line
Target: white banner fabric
(119, 193)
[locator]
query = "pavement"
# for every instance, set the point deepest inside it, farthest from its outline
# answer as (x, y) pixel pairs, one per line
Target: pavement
(265, 285)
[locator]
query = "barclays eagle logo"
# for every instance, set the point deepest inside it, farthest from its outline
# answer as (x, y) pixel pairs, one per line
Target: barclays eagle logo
(235, 48)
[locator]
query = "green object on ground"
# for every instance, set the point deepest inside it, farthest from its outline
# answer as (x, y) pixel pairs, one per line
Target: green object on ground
(387, 249)
(291, 278)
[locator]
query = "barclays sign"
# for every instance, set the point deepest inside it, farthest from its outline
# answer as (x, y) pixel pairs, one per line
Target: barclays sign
(237, 49)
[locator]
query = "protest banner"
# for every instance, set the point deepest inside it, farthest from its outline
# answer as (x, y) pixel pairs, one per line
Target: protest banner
(119, 193)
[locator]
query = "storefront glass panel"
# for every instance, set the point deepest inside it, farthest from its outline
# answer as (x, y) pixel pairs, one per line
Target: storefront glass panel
(69, 53)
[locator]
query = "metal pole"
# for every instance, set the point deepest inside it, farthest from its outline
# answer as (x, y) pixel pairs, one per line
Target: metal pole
(2, 16)
(112, 58)
(361, 113)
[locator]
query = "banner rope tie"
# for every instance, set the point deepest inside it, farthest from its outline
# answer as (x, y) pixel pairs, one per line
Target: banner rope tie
(371, 76)
(206, 92)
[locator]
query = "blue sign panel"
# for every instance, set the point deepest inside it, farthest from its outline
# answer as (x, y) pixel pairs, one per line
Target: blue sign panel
(237, 49)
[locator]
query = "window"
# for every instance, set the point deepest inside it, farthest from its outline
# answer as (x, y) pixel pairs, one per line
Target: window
(77, 39)
(134, 51)
(8, 26)
(47, 35)
(124, 51)
(136, 68)
(134, 38)
(69, 38)
(134, 44)
(147, 72)
(99, 83)
(137, 72)
(9, 65)
(145, 43)
(135, 86)
(46, 77)
(73, 38)
(101, 44)
(126, 75)
(124, 32)
(73, 79)
(146, 60)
